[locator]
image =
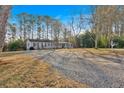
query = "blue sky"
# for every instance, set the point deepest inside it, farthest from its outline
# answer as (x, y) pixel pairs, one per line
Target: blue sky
(55, 11)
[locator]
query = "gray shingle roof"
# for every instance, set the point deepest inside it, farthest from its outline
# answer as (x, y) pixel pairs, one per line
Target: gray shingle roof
(40, 40)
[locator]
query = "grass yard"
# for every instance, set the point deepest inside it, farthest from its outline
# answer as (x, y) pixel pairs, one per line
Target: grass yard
(100, 51)
(86, 67)
(24, 71)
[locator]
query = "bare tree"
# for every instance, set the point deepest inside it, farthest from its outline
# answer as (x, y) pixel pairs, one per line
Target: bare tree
(39, 29)
(56, 31)
(47, 20)
(102, 20)
(4, 13)
(77, 25)
(13, 31)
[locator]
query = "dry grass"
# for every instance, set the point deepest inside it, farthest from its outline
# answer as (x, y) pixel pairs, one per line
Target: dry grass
(2, 54)
(24, 71)
(99, 51)
(106, 51)
(19, 70)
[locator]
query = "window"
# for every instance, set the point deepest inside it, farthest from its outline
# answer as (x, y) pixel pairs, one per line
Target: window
(34, 44)
(41, 44)
(48, 44)
(38, 45)
(45, 44)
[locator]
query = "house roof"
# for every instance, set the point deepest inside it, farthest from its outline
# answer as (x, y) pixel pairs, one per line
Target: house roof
(40, 40)
(64, 42)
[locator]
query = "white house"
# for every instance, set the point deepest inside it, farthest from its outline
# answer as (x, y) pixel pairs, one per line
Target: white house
(45, 44)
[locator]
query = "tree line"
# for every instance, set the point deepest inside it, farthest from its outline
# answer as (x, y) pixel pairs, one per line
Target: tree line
(103, 26)
(107, 23)
(28, 26)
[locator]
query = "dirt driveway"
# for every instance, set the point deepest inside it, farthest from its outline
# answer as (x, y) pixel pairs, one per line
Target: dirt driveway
(94, 69)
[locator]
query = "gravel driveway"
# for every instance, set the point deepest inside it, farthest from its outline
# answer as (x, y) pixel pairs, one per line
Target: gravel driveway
(95, 70)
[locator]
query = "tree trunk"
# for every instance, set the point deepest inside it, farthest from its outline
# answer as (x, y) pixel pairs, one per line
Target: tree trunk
(47, 31)
(96, 39)
(96, 44)
(3, 22)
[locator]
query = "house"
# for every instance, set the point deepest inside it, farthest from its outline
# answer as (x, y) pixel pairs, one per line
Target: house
(46, 44)
(65, 45)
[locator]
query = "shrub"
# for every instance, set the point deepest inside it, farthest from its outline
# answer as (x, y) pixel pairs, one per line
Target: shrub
(119, 41)
(86, 40)
(103, 42)
(16, 45)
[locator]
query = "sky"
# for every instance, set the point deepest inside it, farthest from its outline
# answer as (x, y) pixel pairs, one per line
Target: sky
(61, 12)
(56, 11)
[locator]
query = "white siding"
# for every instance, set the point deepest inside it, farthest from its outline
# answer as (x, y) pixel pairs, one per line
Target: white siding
(46, 45)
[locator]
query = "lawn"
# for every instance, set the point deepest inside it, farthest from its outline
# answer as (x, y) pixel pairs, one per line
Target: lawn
(24, 71)
(19, 69)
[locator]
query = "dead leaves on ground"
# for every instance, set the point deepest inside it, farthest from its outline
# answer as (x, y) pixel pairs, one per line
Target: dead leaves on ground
(24, 71)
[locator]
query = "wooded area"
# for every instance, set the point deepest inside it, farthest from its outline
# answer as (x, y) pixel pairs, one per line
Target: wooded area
(102, 28)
